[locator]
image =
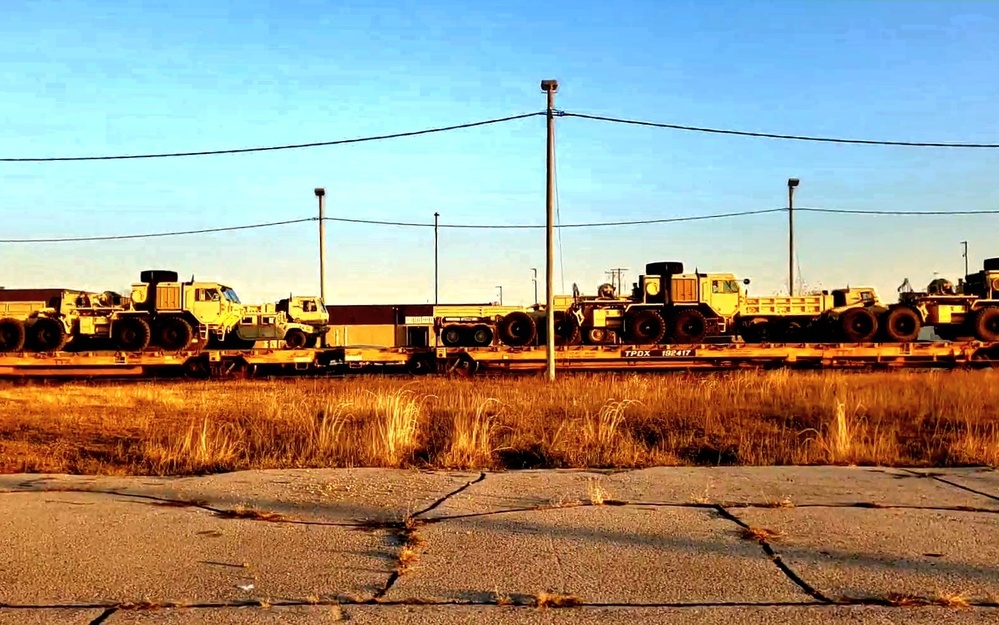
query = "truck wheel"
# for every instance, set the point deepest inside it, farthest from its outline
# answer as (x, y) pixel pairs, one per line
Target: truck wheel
(174, 333)
(296, 338)
(47, 334)
(986, 324)
(481, 336)
(567, 330)
(689, 326)
(902, 324)
(517, 328)
(11, 335)
(312, 341)
(646, 327)
(132, 334)
(452, 336)
(858, 325)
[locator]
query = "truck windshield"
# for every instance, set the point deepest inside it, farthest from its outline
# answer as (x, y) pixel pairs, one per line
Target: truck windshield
(230, 295)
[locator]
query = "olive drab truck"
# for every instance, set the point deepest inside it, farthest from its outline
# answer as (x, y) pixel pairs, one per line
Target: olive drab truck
(310, 314)
(667, 305)
(969, 310)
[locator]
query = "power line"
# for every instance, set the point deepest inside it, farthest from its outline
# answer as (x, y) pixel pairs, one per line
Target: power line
(768, 135)
(272, 148)
(846, 211)
(119, 237)
(416, 224)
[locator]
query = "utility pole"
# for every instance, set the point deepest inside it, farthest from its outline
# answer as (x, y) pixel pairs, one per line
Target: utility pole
(616, 278)
(791, 184)
(500, 287)
(550, 87)
(534, 279)
(321, 194)
(436, 215)
(965, 244)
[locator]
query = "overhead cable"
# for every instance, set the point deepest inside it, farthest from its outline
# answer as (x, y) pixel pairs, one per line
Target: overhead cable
(296, 146)
(847, 211)
(119, 237)
(767, 135)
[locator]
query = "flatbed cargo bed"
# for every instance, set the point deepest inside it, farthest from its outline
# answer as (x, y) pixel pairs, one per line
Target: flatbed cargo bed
(205, 364)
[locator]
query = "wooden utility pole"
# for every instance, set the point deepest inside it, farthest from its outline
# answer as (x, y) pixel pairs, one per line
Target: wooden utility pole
(321, 194)
(550, 87)
(436, 216)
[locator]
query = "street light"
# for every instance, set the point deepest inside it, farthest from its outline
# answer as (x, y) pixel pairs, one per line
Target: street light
(791, 184)
(535, 280)
(500, 294)
(965, 244)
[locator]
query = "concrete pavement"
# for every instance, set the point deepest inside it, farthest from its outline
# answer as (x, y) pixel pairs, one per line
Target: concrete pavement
(662, 545)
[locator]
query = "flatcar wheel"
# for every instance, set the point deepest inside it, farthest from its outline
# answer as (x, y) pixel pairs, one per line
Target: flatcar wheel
(463, 365)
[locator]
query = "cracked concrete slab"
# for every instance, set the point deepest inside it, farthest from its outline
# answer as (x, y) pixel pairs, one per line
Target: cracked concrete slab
(474, 615)
(93, 548)
(603, 554)
(710, 485)
(984, 480)
(863, 552)
(49, 616)
(341, 495)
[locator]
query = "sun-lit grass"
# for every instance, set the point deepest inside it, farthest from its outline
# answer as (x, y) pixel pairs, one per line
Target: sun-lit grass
(600, 420)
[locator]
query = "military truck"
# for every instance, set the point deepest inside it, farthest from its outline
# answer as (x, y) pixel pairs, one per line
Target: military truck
(968, 311)
(44, 319)
(668, 305)
(311, 315)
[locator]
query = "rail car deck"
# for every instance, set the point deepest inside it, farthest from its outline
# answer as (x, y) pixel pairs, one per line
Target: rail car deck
(345, 360)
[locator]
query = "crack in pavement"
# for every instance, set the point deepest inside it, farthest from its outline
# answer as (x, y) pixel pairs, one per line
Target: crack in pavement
(776, 559)
(105, 615)
(409, 540)
(937, 476)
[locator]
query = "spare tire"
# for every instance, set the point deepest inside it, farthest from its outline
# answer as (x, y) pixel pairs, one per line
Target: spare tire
(158, 275)
(517, 328)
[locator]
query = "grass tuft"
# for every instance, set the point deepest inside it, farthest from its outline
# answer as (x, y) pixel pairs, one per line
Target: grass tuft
(556, 600)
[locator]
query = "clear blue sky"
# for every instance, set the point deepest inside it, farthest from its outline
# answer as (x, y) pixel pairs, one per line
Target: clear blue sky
(101, 77)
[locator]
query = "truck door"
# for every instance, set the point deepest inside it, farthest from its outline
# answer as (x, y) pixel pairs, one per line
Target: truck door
(208, 305)
(725, 295)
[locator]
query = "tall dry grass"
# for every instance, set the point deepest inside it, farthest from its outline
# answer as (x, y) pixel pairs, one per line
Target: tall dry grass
(600, 420)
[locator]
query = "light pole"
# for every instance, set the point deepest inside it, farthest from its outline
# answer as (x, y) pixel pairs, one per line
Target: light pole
(534, 279)
(965, 244)
(436, 215)
(550, 87)
(321, 194)
(791, 184)
(500, 294)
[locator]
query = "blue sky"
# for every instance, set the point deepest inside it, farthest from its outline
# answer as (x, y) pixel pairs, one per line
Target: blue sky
(101, 77)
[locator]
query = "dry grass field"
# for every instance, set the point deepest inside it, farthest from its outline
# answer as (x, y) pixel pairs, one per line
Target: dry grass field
(605, 420)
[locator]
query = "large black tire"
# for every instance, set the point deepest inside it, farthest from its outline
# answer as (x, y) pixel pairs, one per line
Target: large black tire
(858, 325)
(132, 334)
(517, 329)
(985, 324)
(312, 341)
(174, 333)
(645, 327)
(47, 334)
(452, 336)
(481, 336)
(12, 335)
(158, 275)
(901, 324)
(296, 338)
(567, 330)
(688, 326)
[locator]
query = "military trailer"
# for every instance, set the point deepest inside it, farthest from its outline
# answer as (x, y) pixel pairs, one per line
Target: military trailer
(968, 311)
